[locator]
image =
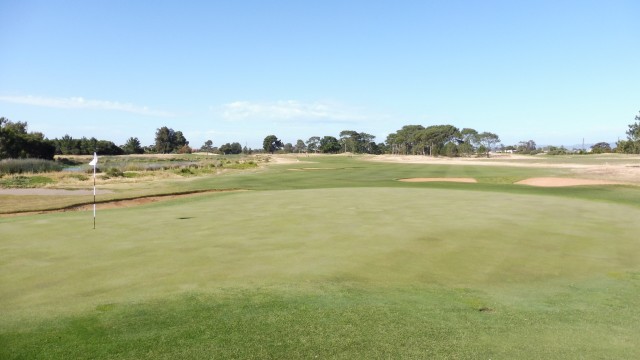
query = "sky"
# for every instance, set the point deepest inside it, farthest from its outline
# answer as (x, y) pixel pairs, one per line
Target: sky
(555, 72)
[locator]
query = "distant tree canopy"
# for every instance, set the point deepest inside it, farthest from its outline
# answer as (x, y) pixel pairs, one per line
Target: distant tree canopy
(329, 145)
(169, 141)
(440, 140)
(233, 148)
(632, 144)
(132, 146)
(300, 146)
(67, 145)
(272, 144)
(358, 142)
(16, 142)
(527, 147)
(487, 140)
(207, 147)
(313, 144)
(601, 148)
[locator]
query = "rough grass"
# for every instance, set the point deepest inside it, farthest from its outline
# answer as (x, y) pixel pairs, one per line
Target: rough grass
(328, 172)
(34, 166)
(21, 181)
(376, 272)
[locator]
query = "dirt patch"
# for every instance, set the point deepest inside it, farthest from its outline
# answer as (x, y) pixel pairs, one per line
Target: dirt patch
(119, 203)
(460, 180)
(51, 192)
(560, 182)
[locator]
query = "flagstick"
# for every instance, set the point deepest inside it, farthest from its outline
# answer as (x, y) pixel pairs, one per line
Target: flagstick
(94, 197)
(94, 163)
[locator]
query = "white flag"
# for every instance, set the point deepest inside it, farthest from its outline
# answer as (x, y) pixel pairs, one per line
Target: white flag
(94, 162)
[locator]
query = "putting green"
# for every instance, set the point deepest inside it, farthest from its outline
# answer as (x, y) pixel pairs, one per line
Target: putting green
(510, 246)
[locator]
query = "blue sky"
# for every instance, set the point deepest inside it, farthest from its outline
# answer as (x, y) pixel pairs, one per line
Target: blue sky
(551, 71)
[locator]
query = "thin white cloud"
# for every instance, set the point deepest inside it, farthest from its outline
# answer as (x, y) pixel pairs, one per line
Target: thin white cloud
(290, 110)
(82, 103)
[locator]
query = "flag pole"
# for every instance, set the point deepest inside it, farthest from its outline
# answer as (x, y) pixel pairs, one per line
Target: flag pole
(94, 197)
(94, 162)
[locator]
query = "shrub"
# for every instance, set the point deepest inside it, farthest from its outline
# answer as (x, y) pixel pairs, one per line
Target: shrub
(185, 171)
(68, 162)
(114, 172)
(20, 166)
(80, 177)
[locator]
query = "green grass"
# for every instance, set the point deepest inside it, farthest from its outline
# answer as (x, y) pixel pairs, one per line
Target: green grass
(343, 262)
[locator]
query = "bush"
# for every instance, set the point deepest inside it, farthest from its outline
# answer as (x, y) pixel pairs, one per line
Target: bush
(185, 171)
(21, 166)
(114, 172)
(80, 177)
(68, 162)
(21, 181)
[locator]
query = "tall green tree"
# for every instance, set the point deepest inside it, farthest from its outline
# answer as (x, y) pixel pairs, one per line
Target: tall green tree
(208, 146)
(406, 140)
(526, 147)
(300, 146)
(233, 148)
(165, 140)
(349, 141)
(168, 140)
(16, 142)
(329, 145)
(313, 144)
(468, 135)
(601, 148)
(632, 144)
(67, 145)
(271, 144)
(487, 141)
(132, 146)
(633, 133)
(106, 147)
(435, 137)
(179, 140)
(367, 143)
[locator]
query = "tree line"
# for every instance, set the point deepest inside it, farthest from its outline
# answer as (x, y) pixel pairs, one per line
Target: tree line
(434, 140)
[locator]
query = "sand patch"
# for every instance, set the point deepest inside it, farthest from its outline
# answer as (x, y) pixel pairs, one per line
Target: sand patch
(560, 182)
(460, 180)
(285, 159)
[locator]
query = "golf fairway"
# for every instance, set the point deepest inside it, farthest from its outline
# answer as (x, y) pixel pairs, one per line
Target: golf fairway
(364, 272)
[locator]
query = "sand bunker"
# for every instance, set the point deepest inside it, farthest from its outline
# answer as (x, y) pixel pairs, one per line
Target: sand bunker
(560, 182)
(461, 180)
(51, 192)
